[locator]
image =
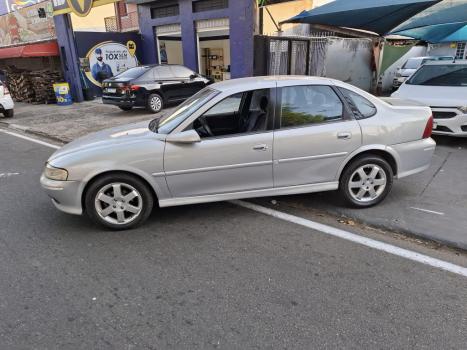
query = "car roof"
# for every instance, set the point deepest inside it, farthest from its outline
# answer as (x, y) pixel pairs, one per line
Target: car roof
(269, 81)
(434, 63)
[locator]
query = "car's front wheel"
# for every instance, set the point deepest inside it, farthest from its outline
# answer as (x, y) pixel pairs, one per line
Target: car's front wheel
(8, 113)
(155, 103)
(366, 181)
(119, 201)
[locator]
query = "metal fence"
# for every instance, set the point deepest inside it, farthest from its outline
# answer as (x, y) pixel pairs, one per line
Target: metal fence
(124, 24)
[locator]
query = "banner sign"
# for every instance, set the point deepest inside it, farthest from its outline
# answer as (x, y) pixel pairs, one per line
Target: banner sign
(108, 59)
(24, 25)
(78, 7)
(7, 6)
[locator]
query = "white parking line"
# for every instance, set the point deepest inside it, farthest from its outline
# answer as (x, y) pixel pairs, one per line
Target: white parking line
(388, 248)
(427, 211)
(385, 247)
(30, 139)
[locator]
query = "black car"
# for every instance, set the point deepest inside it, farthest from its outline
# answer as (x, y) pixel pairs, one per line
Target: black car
(152, 87)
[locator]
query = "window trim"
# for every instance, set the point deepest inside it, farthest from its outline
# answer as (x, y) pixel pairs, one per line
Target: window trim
(270, 123)
(344, 99)
(346, 113)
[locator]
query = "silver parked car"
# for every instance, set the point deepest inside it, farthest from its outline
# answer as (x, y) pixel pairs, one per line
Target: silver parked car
(244, 138)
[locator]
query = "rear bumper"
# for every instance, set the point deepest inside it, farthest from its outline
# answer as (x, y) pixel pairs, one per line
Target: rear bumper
(414, 157)
(452, 126)
(64, 194)
(122, 101)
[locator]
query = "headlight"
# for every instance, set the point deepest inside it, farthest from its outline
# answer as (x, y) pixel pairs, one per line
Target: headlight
(57, 174)
(463, 109)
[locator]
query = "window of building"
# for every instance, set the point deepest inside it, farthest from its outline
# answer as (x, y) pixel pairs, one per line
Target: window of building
(209, 5)
(460, 52)
(312, 104)
(361, 107)
(165, 11)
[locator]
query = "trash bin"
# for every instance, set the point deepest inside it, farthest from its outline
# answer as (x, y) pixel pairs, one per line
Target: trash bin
(62, 93)
(88, 94)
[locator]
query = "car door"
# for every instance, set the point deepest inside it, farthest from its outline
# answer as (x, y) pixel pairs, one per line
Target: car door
(239, 160)
(192, 83)
(171, 87)
(314, 136)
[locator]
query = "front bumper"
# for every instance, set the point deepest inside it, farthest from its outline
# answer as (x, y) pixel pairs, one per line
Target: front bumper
(6, 103)
(450, 122)
(65, 195)
(397, 82)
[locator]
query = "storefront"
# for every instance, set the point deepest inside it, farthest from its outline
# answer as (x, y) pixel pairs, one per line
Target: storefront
(201, 34)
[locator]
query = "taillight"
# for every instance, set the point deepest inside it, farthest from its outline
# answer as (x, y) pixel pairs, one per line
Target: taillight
(135, 87)
(428, 128)
(6, 91)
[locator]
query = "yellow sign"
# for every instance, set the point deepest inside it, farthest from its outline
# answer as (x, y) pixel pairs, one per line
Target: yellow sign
(131, 46)
(78, 7)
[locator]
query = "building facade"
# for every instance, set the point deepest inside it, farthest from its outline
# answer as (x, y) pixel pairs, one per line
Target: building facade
(213, 37)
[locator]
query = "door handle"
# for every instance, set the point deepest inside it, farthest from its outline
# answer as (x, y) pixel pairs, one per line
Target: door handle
(260, 148)
(344, 136)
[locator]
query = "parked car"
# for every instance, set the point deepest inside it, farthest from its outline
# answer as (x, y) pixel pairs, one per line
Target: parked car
(411, 66)
(443, 86)
(152, 87)
(6, 102)
(243, 138)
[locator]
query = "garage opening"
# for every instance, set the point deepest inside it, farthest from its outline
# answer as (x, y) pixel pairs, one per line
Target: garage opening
(214, 48)
(169, 44)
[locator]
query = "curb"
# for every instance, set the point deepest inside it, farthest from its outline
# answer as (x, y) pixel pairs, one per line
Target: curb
(28, 130)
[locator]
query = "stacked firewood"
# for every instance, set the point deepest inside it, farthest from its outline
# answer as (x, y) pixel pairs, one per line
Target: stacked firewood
(32, 86)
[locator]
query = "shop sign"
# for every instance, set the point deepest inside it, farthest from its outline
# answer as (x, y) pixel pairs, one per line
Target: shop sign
(78, 7)
(25, 26)
(62, 93)
(108, 59)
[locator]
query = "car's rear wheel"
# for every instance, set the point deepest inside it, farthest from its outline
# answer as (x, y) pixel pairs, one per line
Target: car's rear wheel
(8, 113)
(119, 201)
(366, 181)
(155, 103)
(125, 108)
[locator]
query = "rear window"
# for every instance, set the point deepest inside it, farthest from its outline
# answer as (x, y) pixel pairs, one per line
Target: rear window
(133, 73)
(440, 75)
(361, 107)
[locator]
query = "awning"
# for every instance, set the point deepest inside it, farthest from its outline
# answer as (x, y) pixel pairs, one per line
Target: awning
(31, 50)
(378, 16)
(437, 23)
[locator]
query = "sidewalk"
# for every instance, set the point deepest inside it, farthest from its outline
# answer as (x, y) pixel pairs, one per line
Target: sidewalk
(431, 205)
(66, 123)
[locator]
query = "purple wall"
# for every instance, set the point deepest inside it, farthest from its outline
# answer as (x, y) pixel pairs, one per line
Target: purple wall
(242, 17)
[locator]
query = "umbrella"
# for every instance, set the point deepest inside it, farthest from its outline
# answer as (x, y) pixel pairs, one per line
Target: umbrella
(378, 16)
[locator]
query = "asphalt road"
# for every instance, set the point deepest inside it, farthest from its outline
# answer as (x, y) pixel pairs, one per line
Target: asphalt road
(202, 277)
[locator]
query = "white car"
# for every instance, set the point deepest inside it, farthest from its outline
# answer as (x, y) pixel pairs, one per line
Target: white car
(411, 65)
(6, 102)
(442, 86)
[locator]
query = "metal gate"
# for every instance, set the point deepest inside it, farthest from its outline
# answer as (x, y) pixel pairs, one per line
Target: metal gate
(289, 56)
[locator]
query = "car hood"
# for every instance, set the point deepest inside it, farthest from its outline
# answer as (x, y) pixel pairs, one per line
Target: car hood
(434, 96)
(109, 137)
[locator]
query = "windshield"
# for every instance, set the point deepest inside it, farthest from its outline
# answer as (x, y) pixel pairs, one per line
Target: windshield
(133, 73)
(412, 63)
(166, 124)
(441, 75)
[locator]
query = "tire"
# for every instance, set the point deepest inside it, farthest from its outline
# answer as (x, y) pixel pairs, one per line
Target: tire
(365, 189)
(125, 108)
(115, 211)
(155, 103)
(8, 113)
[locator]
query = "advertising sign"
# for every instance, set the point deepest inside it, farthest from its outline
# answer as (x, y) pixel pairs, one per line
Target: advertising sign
(108, 59)
(25, 26)
(62, 93)
(78, 7)
(7, 6)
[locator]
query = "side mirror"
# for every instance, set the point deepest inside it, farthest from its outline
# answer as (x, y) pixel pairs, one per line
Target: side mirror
(189, 136)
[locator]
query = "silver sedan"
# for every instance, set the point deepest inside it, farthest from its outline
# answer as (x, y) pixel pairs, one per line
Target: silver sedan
(244, 138)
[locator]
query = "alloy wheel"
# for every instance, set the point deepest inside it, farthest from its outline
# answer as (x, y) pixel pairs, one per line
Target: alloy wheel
(118, 203)
(367, 183)
(155, 103)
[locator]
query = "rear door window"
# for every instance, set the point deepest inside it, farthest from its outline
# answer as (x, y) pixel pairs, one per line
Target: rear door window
(181, 72)
(310, 104)
(163, 73)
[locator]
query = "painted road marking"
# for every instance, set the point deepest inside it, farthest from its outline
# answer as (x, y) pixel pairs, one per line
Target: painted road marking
(388, 248)
(427, 211)
(385, 247)
(43, 143)
(3, 175)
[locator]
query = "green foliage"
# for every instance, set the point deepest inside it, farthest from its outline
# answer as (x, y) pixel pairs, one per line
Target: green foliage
(291, 117)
